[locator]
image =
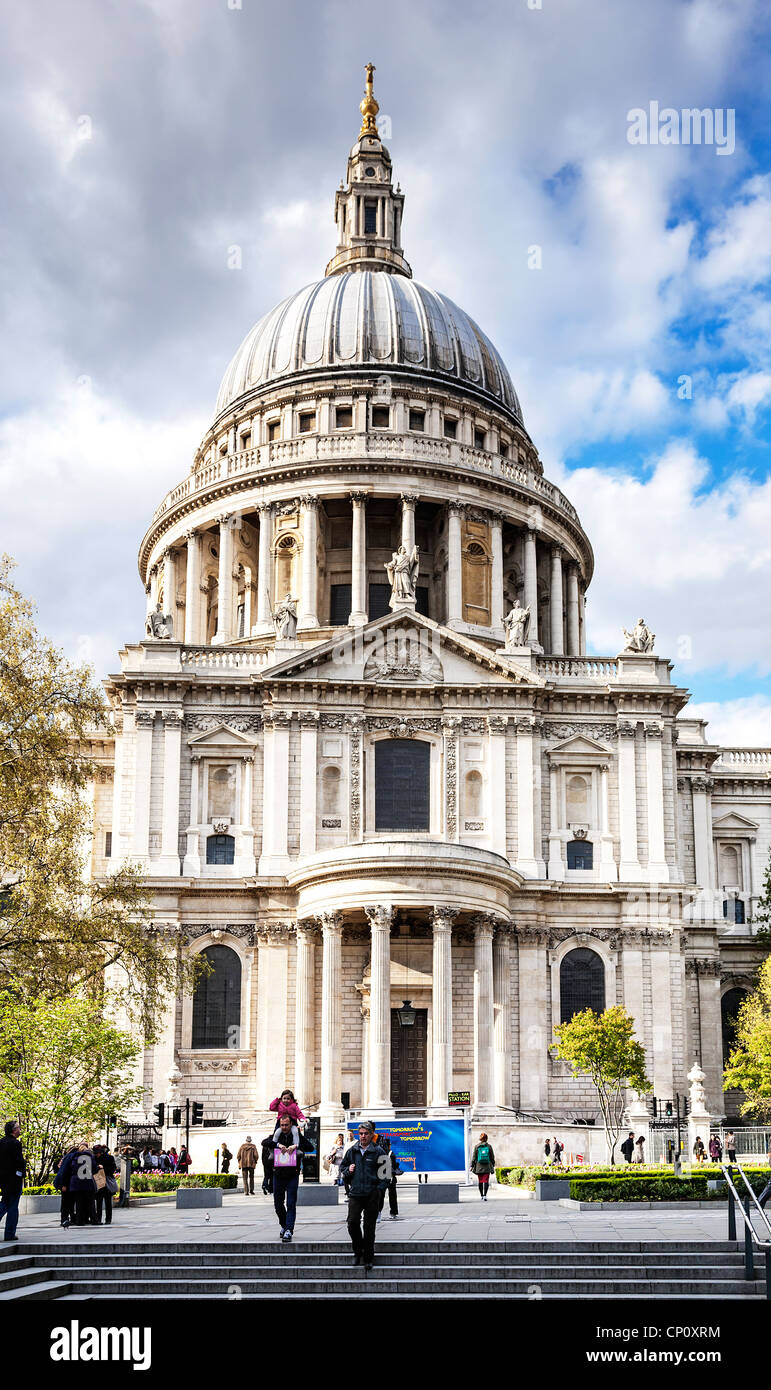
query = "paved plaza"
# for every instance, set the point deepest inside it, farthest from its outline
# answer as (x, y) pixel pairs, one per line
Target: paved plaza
(502, 1218)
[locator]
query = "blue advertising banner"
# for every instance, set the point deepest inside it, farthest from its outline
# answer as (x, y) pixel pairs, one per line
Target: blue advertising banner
(425, 1146)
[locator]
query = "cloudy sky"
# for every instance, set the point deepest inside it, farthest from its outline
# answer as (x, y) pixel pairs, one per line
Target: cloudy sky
(144, 138)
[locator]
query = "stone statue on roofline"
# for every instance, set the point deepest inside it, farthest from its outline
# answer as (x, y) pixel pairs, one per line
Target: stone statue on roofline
(402, 571)
(640, 639)
(517, 625)
(285, 619)
(159, 624)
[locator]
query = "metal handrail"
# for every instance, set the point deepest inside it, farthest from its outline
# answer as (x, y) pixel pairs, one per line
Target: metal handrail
(753, 1194)
(751, 1236)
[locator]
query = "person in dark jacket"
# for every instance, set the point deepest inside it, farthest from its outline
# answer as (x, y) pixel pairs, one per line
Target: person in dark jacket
(104, 1196)
(287, 1144)
(226, 1158)
(627, 1148)
(364, 1170)
(266, 1150)
(11, 1177)
(67, 1205)
(77, 1175)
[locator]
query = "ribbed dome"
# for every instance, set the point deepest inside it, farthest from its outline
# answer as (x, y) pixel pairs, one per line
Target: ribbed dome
(368, 318)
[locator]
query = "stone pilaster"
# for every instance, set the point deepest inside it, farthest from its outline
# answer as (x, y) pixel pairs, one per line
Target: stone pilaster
(264, 622)
(226, 580)
(308, 616)
(455, 511)
(658, 869)
(331, 923)
(502, 1014)
(167, 864)
(305, 1039)
(380, 917)
(484, 1088)
(441, 1004)
(531, 587)
(629, 868)
(193, 626)
(359, 593)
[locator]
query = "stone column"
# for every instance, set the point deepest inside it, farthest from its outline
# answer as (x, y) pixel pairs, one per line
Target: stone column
(627, 802)
(380, 917)
(330, 1109)
(531, 587)
(557, 864)
(496, 578)
(661, 1008)
(496, 809)
(484, 1089)
(608, 866)
(582, 619)
(308, 616)
(409, 502)
(272, 980)
(455, 511)
(264, 585)
(193, 589)
(192, 862)
(168, 863)
(703, 848)
(528, 862)
(144, 720)
(359, 594)
(502, 1013)
(533, 1004)
(170, 589)
(304, 1051)
(245, 860)
(225, 588)
(274, 857)
(309, 727)
(441, 1006)
(574, 636)
(556, 606)
(150, 601)
(658, 869)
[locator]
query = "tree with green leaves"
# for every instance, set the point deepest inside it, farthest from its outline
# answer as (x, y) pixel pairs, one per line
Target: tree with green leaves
(749, 1065)
(64, 1066)
(761, 918)
(60, 929)
(603, 1047)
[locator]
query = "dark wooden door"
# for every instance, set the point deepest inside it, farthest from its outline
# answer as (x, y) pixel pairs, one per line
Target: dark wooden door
(408, 1060)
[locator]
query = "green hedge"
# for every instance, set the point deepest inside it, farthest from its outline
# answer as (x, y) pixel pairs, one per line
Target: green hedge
(525, 1175)
(169, 1182)
(47, 1190)
(669, 1189)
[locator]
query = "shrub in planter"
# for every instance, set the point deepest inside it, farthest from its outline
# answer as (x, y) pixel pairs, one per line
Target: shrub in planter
(652, 1189)
(47, 1190)
(223, 1180)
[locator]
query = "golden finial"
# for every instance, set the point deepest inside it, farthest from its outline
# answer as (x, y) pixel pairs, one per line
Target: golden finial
(368, 107)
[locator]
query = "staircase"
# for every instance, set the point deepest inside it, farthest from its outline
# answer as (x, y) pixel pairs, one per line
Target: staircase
(409, 1269)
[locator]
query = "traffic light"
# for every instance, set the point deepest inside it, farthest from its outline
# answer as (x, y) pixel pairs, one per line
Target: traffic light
(159, 1112)
(669, 1110)
(176, 1115)
(197, 1116)
(112, 1121)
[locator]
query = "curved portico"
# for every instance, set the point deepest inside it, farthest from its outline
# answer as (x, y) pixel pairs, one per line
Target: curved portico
(406, 895)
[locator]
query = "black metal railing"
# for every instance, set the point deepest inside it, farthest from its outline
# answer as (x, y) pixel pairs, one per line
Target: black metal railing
(744, 1202)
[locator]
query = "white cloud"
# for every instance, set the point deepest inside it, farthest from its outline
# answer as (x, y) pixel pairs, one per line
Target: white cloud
(741, 723)
(738, 249)
(693, 561)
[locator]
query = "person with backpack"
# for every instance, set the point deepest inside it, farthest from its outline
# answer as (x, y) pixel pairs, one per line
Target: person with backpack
(483, 1163)
(105, 1191)
(627, 1148)
(546, 1150)
(556, 1150)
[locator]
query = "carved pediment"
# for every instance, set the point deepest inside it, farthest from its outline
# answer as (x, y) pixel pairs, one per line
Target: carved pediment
(734, 821)
(221, 739)
(579, 749)
(400, 649)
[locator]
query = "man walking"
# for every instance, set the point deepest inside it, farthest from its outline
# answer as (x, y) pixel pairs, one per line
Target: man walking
(365, 1174)
(11, 1177)
(288, 1144)
(627, 1148)
(246, 1158)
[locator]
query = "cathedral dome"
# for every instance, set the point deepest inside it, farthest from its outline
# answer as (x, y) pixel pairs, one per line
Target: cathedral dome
(374, 319)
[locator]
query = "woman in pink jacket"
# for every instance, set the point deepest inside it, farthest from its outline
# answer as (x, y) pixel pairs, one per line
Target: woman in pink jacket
(286, 1104)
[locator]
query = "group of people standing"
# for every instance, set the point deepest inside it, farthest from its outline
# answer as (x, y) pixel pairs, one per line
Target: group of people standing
(632, 1149)
(165, 1160)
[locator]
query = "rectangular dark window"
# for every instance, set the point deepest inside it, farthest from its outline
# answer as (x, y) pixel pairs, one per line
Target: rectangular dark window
(379, 595)
(381, 417)
(307, 422)
(108, 844)
(451, 429)
(245, 439)
(418, 421)
(479, 439)
(402, 782)
(503, 450)
(339, 604)
(344, 417)
(370, 219)
(421, 600)
(274, 430)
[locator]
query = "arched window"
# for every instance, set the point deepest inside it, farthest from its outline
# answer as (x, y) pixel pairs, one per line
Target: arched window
(217, 1000)
(477, 571)
(472, 795)
(580, 854)
(729, 1009)
(402, 784)
(220, 849)
(582, 983)
(330, 790)
(286, 556)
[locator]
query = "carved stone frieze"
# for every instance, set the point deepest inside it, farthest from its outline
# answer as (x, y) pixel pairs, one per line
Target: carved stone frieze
(331, 721)
(450, 725)
(277, 718)
(497, 723)
(144, 718)
(192, 931)
(626, 729)
(473, 726)
(215, 1066)
(702, 966)
(240, 723)
(275, 933)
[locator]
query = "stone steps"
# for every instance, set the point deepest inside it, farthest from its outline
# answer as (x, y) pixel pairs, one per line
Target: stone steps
(95, 1269)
